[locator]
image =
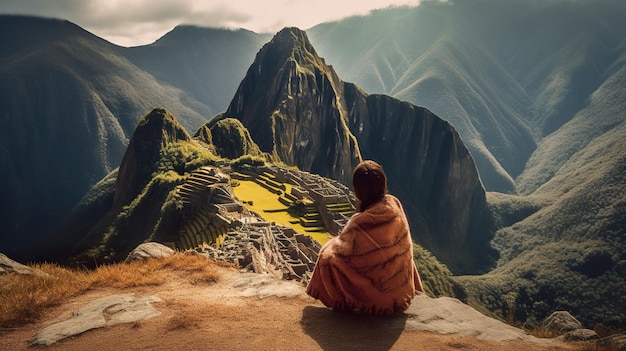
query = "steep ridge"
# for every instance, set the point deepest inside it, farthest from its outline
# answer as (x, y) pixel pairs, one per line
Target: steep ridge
(296, 108)
(433, 174)
(290, 101)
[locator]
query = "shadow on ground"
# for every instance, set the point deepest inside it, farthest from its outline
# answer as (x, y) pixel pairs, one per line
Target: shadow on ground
(348, 331)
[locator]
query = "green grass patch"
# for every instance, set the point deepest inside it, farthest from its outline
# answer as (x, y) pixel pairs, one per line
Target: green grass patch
(258, 199)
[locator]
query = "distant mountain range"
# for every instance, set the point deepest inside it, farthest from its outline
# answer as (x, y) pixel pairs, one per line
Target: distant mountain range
(536, 91)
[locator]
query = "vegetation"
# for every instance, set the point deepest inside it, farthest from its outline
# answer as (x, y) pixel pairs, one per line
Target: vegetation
(552, 277)
(247, 161)
(436, 277)
(134, 223)
(510, 209)
(232, 140)
(24, 297)
(184, 157)
(567, 253)
(151, 214)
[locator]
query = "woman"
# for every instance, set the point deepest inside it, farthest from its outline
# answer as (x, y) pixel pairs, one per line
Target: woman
(369, 266)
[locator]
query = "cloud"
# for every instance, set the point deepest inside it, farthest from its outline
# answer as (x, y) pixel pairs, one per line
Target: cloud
(134, 22)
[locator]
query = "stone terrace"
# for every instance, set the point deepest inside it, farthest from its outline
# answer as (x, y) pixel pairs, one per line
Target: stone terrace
(214, 224)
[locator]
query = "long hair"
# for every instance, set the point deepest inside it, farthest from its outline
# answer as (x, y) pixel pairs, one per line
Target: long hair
(369, 183)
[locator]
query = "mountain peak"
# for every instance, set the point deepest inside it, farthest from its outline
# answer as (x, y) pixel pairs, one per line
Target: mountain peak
(153, 133)
(291, 45)
(290, 101)
(292, 35)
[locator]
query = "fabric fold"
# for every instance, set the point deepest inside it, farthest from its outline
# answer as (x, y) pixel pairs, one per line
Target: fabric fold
(369, 266)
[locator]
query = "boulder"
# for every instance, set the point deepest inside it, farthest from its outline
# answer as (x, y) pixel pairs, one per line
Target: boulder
(7, 265)
(149, 250)
(561, 322)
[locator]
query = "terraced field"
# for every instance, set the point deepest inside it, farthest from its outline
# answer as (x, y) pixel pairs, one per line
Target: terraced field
(259, 199)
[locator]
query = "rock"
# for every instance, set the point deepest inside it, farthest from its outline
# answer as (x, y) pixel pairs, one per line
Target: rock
(7, 265)
(580, 335)
(446, 315)
(104, 312)
(266, 285)
(149, 250)
(561, 322)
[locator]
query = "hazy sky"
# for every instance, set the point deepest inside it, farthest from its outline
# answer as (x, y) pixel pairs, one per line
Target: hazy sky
(137, 22)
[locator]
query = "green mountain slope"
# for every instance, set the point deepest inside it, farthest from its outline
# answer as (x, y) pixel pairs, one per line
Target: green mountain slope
(568, 251)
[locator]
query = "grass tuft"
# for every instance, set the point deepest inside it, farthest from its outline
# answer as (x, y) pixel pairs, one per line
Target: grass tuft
(23, 298)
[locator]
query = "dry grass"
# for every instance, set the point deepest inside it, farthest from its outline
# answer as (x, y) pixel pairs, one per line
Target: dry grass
(600, 346)
(183, 321)
(606, 344)
(542, 332)
(24, 297)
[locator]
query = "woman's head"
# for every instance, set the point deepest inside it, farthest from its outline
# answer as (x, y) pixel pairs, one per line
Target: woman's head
(369, 183)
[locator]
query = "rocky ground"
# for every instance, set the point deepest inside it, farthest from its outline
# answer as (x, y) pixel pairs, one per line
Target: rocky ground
(253, 311)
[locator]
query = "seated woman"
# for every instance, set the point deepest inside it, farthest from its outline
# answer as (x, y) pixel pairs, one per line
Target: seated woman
(369, 266)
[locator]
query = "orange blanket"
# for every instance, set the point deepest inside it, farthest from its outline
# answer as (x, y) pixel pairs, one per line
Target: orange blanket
(369, 266)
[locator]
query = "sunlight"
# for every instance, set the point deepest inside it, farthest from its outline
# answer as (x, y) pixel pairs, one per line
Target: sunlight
(257, 199)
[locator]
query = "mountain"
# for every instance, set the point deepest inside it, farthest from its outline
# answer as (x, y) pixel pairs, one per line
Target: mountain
(290, 101)
(296, 108)
(123, 209)
(70, 100)
(506, 74)
(207, 63)
(154, 133)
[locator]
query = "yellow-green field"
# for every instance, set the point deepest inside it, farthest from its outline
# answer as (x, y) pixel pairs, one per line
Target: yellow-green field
(263, 199)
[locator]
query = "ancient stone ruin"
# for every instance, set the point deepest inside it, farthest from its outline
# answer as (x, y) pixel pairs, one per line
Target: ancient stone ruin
(215, 224)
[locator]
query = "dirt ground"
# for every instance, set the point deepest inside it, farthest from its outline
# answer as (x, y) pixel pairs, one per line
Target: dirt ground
(217, 317)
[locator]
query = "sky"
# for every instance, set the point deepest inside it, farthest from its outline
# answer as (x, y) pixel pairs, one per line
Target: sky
(140, 22)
